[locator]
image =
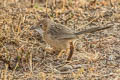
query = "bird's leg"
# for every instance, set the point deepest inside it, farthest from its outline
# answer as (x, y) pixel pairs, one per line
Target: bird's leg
(71, 51)
(60, 53)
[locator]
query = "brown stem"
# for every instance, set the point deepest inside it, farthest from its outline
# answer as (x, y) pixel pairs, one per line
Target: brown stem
(71, 51)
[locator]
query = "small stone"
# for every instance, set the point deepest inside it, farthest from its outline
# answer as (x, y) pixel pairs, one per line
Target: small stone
(77, 66)
(66, 68)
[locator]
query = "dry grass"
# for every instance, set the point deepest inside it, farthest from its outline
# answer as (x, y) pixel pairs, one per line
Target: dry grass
(22, 51)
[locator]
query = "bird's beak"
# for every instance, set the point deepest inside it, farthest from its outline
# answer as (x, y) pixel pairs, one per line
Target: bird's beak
(37, 29)
(32, 28)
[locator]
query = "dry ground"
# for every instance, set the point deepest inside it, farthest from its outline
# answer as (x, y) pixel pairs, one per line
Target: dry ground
(23, 55)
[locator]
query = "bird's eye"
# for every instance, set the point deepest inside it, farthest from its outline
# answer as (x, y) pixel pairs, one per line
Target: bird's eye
(40, 25)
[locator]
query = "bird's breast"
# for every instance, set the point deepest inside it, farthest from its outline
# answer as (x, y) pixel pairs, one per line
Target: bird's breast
(55, 43)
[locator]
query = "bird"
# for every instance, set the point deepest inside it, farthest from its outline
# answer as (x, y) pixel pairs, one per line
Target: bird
(60, 37)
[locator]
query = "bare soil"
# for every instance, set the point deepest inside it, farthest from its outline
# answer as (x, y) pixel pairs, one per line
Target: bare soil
(23, 55)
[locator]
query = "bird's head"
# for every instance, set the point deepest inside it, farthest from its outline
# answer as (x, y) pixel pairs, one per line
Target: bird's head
(42, 24)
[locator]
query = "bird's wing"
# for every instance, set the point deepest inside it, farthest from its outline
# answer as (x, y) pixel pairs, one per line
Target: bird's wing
(59, 31)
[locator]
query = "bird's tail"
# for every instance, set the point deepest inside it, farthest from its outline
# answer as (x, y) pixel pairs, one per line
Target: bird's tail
(92, 30)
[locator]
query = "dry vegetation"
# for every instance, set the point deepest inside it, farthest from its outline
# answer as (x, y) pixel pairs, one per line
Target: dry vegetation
(22, 52)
